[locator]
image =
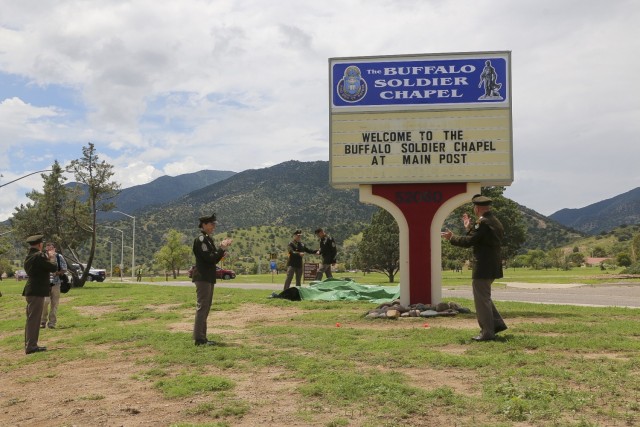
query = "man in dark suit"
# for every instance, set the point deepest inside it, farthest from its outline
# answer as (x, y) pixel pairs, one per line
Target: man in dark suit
(485, 236)
(38, 265)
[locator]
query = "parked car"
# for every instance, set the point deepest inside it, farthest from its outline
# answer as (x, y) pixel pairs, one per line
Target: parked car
(21, 275)
(95, 274)
(221, 273)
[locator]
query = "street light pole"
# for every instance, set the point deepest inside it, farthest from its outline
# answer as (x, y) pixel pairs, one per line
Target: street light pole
(133, 243)
(121, 250)
(18, 179)
(111, 252)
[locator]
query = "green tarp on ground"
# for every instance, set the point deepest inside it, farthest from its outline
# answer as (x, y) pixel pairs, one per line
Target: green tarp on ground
(348, 290)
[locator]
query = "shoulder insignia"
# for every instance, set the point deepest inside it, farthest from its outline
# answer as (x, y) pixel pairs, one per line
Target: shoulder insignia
(201, 238)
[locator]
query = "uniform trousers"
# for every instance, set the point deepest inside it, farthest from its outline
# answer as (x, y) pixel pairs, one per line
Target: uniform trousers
(204, 298)
(290, 272)
(32, 326)
(488, 316)
(324, 268)
(50, 315)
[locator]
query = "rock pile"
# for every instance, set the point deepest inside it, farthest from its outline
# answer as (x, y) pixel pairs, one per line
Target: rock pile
(395, 310)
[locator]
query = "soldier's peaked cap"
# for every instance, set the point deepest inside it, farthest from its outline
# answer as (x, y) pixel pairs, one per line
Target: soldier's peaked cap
(207, 219)
(481, 200)
(36, 238)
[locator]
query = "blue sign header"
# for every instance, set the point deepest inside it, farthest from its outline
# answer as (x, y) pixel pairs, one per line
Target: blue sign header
(445, 82)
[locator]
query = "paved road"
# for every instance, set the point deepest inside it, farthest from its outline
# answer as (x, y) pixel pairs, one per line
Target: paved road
(615, 294)
(589, 295)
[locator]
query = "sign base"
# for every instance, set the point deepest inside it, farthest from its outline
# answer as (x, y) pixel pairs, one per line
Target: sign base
(420, 211)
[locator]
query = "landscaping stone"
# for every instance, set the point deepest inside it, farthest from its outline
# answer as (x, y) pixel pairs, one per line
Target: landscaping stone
(395, 310)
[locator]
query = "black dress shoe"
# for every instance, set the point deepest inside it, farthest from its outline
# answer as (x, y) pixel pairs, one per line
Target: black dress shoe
(500, 328)
(199, 342)
(35, 350)
(483, 338)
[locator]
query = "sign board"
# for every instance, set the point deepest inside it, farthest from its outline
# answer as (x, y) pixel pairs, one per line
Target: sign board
(310, 270)
(421, 119)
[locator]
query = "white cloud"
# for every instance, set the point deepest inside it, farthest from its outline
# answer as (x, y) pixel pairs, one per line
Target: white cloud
(164, 87)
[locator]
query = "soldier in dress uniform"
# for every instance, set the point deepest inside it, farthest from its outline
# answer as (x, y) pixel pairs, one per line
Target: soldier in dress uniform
(204, 275)
(297, 249)
(328, 252)
(38, 265)
(485, 236)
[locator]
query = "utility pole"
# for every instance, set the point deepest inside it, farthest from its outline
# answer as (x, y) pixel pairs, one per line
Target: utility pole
(133, 243)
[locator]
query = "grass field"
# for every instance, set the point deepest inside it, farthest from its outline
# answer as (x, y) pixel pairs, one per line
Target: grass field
(123, 355)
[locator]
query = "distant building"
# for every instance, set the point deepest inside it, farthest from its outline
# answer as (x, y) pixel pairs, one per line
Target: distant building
(592, 262)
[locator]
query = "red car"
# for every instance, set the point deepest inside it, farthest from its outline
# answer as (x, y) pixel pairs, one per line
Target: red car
(221, 273)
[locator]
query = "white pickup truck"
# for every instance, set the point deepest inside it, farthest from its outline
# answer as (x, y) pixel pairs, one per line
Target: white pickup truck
(95, 274)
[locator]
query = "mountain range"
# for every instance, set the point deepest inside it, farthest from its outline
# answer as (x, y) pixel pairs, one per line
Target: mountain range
(292, 194)
(297, 195)
(162, 190)
(603, 216)
(279, 195)
(282, 198)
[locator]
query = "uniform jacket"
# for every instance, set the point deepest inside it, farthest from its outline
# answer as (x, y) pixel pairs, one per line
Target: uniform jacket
(38, 267)
(207, 256)
(486, 239)
(328, 250)
(295, 259)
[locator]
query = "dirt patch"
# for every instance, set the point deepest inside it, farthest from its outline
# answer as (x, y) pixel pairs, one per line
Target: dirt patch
(96, 310)
(162, 308)
(463, 382)
(89, 392)
(601, 356)
(230, 322)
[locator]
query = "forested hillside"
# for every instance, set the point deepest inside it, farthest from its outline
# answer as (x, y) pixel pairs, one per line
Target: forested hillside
(605, 215)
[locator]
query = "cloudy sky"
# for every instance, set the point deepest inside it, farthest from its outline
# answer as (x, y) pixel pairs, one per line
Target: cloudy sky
(171, 87)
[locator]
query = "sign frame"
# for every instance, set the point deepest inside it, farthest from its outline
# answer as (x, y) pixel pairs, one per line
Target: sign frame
(455, 134)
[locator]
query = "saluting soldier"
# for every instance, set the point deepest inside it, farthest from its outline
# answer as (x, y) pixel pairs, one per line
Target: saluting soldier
(38, 265)
(328, 252)
(204, 275)
(485, 236)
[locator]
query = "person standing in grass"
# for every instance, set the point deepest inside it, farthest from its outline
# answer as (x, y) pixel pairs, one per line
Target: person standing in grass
(297, 249)
(204, 275)
(38, 265)
(485, 236)
(50, 309)
(328, 252)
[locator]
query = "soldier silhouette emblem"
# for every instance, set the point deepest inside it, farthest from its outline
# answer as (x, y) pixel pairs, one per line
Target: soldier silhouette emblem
(489, 78)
